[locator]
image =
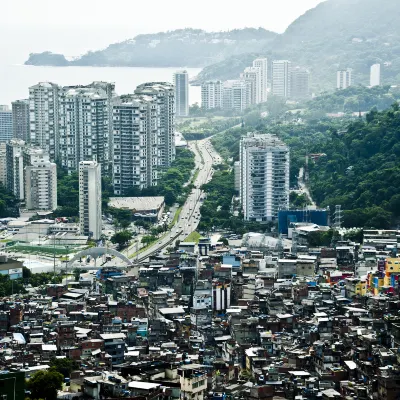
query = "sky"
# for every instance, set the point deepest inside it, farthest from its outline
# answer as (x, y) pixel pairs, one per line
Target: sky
(73, 27)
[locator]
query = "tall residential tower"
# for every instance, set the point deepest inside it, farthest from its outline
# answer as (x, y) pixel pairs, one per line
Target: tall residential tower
(262, 64)
(281, 78)
(264, 176)
(20, 111)
(90, 199)
(181, 83)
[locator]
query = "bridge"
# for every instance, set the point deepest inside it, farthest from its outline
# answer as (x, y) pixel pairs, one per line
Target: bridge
(97, 252)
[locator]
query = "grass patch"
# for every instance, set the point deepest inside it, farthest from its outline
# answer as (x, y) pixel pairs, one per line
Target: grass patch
(176, 217)
(193, 237)
(196, 174)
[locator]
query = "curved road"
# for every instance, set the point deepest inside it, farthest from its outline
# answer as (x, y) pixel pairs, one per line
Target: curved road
(205, 157)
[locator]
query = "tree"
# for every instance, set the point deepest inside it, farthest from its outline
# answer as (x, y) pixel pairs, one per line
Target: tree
(64, 366)
(45, 384)
(121, 238)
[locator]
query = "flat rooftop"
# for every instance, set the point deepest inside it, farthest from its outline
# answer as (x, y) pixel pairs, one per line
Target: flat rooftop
(136, 203)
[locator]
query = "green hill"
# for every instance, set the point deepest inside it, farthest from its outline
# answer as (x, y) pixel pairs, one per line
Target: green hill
(335, 34)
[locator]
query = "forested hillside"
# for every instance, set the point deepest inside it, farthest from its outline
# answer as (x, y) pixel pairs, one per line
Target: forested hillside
(359, 166)
(361, 170)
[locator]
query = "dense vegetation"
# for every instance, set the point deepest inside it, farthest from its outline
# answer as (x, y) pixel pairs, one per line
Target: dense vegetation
(17, 286)
(359, 167)
(216, 210)
(354, 99)
(201, 128)
(172, 184)
(8, 204)
(361, 170)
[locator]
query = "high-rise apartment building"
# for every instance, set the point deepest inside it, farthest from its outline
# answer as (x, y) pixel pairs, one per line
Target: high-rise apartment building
(211, 95)
(344, 78)
(44, 117)
(19, 155)
(181, 83)
(90, 199)
(137, 125)
(375, 75)
(15, 167)
(264, 176)
(281, 78)
(6, 124)
(3, 164)
(252, 77)
(300, 83)
(83, 126)
(20, 112)
(164, 95)
(262, 64)
(41, 186)
(235, 95)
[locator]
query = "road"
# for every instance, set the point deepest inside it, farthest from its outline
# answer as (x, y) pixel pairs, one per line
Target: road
(303, 187)
(205, 158)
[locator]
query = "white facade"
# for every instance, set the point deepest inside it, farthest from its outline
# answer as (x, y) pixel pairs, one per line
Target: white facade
(83, 130)
(181, 83)
(375, 75)
(43, 117)
(264, 176)
(211, 95)
(262, 64)
(90, 199)
(344, 78)
(236, 169)
(3, 164)
(281, 78)
(164, 95)
(15, 168)
(252, 77)
(235, 95)
(41, 186)
(137, 128)
(6, 124)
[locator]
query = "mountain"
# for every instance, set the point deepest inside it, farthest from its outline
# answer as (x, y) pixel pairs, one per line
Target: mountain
(335, 34)
(184, 47)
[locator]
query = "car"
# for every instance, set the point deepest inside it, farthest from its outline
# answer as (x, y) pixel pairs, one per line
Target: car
(159, 242)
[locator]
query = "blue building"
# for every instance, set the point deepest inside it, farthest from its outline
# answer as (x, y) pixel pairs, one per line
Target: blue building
(286, 217)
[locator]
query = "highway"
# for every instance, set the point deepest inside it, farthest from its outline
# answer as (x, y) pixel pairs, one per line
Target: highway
(189, 218)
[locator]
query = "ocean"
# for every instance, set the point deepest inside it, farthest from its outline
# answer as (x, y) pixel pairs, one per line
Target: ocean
(16, 79)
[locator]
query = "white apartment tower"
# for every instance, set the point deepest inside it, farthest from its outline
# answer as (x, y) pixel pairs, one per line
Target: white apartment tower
(90, 199)
(20, 111)
(281, 78)
(375, 75)
(181, 83)
(15, 167)
(264, 176)
(6, 124)
(211, 95)
(344, 78)
(252, 77)
(19, 155)
(137, 128)
(41, 186)
(164, 95)
(43, 117)
(3, 164)
(262, 64)
(235, 95)
(83, 129)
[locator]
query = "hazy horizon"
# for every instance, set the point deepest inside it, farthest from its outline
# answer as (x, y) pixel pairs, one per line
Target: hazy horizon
(76, 27)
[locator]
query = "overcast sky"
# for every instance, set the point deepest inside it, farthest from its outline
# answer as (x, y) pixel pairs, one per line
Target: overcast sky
(75, 26)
